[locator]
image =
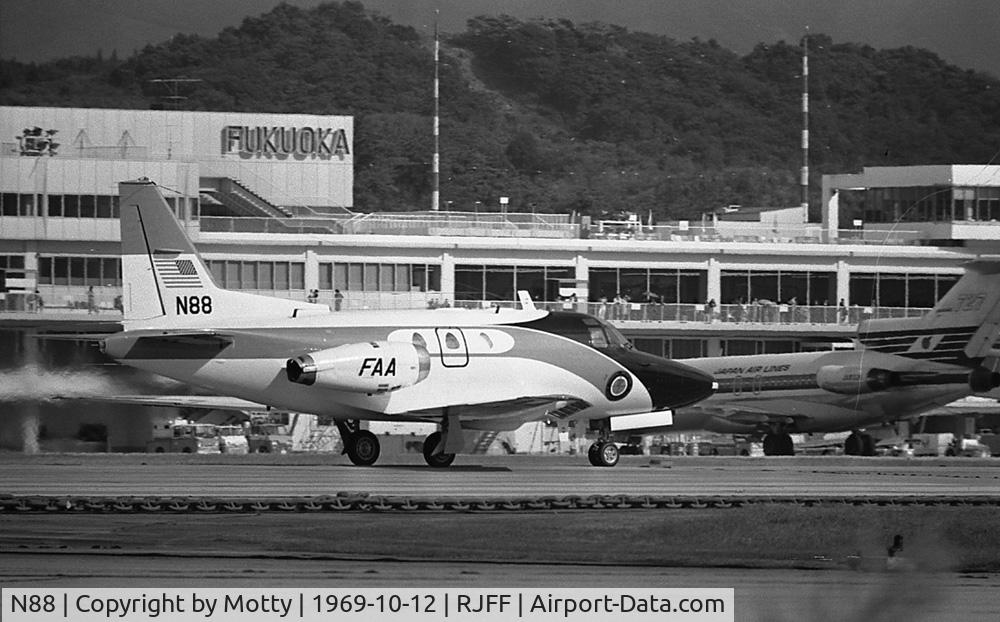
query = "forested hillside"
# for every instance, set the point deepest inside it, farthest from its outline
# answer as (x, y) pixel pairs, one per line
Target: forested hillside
(557, 116)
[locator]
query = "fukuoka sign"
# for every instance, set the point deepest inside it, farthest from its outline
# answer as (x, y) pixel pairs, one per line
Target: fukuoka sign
(268, 141)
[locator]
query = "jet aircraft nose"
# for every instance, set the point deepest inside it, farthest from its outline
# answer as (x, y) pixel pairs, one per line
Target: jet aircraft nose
(670, 384)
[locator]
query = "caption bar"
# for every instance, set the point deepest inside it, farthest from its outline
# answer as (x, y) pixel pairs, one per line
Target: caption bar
(262, 604)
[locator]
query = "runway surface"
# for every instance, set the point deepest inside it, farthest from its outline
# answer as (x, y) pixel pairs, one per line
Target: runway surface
(274, 549)
(493, 477)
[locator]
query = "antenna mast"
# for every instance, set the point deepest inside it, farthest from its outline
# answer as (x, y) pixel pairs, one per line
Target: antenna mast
(805, 120)
(436, 166)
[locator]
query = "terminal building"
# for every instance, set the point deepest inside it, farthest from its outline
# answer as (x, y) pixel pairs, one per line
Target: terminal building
(267, 199)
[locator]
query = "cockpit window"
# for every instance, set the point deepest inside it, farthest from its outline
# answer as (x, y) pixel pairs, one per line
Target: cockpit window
(615, 337)
(597, 338)
(585, 329)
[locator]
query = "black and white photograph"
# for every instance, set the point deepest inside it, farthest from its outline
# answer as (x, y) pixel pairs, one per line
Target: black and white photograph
(499, 310)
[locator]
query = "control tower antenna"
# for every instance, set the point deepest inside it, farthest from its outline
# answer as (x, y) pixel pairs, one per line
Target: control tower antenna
(436, 166)
(805, 120)
(173, 97)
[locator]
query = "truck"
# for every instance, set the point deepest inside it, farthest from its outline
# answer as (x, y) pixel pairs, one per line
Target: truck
(184, 437)
(233, 439)
(266, 437)
(944, 444)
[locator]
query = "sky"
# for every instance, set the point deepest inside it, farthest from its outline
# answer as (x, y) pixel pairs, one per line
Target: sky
(963, 32)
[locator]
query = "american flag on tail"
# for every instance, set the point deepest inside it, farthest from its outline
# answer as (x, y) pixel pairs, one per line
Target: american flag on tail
(177, 273)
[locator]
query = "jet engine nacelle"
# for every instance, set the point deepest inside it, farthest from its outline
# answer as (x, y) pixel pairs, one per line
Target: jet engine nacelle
(374, 367)
(982, 380)
(852, 380)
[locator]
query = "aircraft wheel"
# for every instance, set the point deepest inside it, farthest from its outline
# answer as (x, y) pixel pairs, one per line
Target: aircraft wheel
(785, 445)
(363, 448)
(771, 445)
(592, 454)
(852, 445)
(437, 461)
(607, 454)
(867, 445)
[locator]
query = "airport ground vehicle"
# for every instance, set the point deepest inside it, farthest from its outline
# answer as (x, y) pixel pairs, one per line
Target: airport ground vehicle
(232, 439)
(187, 438)
(269, 438)
(992, 441)
(937, 445)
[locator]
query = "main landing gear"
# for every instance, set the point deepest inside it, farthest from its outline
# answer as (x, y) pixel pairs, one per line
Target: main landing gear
(859, 444)
(361, 446)
(778, 444)
(437, 460)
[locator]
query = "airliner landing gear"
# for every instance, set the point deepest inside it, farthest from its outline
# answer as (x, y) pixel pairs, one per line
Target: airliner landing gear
(859, 444)
(361, 446)
(603, 454)
(778, 444)
(436, 460)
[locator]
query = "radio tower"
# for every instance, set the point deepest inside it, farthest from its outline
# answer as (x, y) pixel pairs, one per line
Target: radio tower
(805, 120)
(436, 165)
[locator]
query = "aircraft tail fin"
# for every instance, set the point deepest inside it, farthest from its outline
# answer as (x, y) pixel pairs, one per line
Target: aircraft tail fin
(526, 303)
(959, 330)
(165, 282)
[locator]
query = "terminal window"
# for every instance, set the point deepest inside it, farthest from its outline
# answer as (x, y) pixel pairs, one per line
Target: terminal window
(379, 277)
(501, 283)
(900, 290)
(80, 271)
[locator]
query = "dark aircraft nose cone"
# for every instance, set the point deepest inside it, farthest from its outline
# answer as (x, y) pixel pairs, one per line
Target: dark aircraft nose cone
(670, 384)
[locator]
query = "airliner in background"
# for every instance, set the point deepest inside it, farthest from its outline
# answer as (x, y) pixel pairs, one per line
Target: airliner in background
(899, 369)
(461, 369)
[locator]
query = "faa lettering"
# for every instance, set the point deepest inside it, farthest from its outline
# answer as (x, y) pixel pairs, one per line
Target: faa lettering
(374, 367)
(484, 603)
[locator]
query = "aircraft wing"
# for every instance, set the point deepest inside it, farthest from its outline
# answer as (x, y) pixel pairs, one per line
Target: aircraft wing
(501, 415)
(752, 412)
(208, 402)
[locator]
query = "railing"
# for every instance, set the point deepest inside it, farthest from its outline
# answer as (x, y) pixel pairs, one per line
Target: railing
(749, 233)
(628, 314)
(772, 314)
(461, 224)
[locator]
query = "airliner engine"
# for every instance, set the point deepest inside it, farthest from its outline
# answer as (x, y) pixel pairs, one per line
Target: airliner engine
(374, 367)
(851, 380)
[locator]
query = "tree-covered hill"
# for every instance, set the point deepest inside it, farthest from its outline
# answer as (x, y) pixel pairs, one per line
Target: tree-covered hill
(557, 116)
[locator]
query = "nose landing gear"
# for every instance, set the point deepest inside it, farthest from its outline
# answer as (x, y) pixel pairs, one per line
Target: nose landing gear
(603, 454)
